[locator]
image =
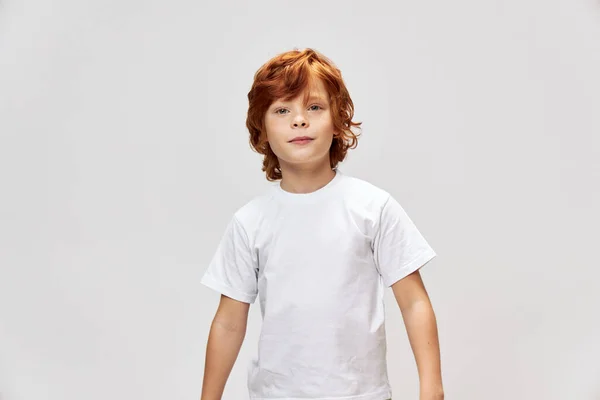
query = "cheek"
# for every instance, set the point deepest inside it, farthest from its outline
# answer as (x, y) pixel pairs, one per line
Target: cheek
(326, 119)
(274, 126)
(326, 122)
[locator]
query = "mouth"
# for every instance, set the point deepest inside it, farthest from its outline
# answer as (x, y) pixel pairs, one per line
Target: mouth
(301, 140)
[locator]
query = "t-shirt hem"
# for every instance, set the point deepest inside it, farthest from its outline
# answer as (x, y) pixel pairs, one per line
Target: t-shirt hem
(384, 394)
(411, 267)
(208, 281)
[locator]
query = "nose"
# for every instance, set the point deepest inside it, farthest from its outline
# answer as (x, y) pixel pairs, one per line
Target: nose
(300, 121)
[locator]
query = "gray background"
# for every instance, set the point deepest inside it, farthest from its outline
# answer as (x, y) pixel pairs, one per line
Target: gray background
(123, 154)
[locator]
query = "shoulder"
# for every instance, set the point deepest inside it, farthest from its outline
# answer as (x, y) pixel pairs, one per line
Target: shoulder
(249, 214)
(364, 202)
(363, 192)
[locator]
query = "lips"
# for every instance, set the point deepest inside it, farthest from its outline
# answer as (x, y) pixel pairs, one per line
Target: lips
(301, 139)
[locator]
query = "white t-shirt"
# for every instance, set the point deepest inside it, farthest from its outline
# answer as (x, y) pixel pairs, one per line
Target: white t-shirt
(320, 263)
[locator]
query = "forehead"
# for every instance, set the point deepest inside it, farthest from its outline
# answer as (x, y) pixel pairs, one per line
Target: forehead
(315, 90)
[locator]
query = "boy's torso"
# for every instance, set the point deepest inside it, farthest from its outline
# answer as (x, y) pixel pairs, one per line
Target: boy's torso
(321, 296)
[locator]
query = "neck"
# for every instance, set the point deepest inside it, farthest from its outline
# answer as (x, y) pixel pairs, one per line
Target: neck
(305, 179)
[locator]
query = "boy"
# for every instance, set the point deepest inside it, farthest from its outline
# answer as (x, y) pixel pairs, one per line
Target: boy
(318, 249)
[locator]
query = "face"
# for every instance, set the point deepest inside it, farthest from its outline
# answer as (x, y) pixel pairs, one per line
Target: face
(301, 134)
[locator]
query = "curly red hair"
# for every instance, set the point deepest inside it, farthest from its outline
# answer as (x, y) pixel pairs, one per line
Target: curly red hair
(284, 77)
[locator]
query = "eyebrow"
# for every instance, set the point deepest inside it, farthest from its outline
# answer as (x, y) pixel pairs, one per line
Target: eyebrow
(318, 98)
(311, 98)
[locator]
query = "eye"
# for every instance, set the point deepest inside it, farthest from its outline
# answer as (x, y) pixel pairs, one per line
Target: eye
(312, 108)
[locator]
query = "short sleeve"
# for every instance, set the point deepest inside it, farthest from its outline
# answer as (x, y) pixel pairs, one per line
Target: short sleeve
(399, 248)
(232, 270)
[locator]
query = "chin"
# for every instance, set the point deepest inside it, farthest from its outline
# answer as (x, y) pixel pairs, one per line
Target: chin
(306, 158)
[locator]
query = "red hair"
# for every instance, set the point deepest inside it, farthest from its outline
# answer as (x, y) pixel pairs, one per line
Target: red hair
(285, 76)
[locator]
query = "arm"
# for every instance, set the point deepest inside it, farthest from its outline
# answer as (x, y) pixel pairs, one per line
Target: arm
(225, 339)
(421, 327)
